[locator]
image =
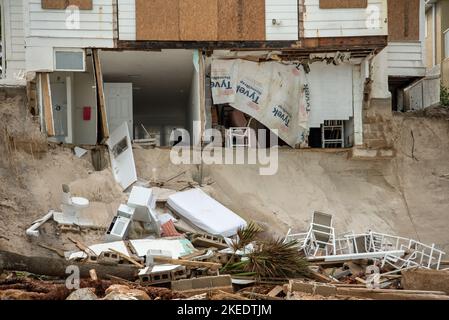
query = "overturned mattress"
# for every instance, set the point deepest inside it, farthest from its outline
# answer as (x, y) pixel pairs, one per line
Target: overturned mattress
(209, 215)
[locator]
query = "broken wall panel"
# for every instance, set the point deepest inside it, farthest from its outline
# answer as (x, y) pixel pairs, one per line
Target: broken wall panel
(157, 20)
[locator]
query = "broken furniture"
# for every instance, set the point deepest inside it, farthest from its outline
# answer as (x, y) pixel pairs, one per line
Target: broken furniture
(239, 135)
(204, 212)
(392, 253)
(320, 239)
(333, 134)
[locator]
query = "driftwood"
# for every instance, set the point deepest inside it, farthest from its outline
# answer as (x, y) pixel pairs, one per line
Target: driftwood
(57, 267)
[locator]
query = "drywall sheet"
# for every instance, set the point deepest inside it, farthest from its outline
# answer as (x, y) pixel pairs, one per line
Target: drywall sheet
(122, 157)
(331, 93)
(157, 20)
(198, 20)
(270, 92)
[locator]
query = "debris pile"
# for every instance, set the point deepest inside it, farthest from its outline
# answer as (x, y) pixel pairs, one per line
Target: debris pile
(169, 244)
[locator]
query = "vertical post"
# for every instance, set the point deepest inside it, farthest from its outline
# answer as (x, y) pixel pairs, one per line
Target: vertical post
(48, 105)
(104, 129)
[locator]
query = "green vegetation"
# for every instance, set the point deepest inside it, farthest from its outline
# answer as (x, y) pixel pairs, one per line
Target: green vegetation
(444, 96)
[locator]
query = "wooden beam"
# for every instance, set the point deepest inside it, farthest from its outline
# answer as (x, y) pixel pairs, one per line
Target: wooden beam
(305, 45)
(100, 96)
(48, 105)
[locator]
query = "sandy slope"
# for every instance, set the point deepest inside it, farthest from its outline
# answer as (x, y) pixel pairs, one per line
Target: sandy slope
(403, 196)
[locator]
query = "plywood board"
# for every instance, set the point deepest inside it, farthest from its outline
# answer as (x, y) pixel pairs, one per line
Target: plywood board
(198, 20)
(157, 20)
(240, 20)
(62, 4)
(47, 104)
(403, 20)
(104, 128)
(338, 4)
(254, 20)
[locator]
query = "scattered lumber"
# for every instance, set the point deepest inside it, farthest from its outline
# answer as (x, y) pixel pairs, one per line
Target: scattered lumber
(82, 247)
(188, 263)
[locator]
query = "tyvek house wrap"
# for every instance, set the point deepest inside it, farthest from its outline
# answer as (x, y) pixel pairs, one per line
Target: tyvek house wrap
(271, 92)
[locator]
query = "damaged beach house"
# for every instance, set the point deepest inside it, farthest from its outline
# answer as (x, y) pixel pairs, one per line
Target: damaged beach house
(162, 66)
(321, 74)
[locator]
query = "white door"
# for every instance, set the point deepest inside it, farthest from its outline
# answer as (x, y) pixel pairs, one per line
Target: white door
(119, 105)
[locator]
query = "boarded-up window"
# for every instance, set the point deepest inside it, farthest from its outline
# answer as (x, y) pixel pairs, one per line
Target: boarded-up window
(403, 20)
(200, 20)
(63, 4)
(241, 20)
(338, 4)
(157, 20)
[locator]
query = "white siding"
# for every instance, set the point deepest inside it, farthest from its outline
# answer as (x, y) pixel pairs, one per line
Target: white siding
(47, 29)
(345, 22)
(406, 59)
(285, 11)
(14, 39)
(127, 19)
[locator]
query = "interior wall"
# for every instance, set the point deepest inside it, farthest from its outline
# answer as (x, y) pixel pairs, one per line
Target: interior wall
(162, 82)
(84, 93)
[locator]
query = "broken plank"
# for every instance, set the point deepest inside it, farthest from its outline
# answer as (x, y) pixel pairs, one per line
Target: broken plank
(276, 291)
(129, 259)
(187, 263)
(47, 104)
(82, 247)
(93, 275)
(59, 252)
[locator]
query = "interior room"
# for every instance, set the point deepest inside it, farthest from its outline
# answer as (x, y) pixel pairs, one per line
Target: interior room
(156, 92)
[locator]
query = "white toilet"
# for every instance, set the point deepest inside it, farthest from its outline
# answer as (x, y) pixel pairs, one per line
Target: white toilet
(71, 207)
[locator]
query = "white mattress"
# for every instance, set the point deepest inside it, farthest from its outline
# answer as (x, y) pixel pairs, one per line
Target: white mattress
(206, 213)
